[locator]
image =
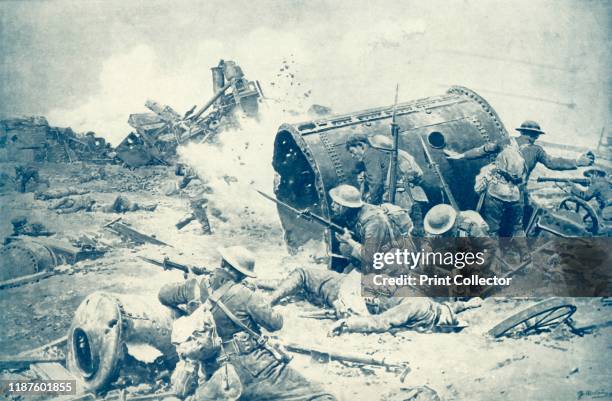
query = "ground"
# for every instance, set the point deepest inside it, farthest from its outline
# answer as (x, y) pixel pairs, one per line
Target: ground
(464, 366)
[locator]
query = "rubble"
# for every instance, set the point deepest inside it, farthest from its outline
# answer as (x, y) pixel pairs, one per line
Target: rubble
(32, 139)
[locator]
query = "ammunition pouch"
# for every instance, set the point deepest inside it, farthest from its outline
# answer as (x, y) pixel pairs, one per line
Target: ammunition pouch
(240, 344)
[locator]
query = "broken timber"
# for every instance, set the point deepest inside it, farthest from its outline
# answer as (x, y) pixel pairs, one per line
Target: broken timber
(126, 231)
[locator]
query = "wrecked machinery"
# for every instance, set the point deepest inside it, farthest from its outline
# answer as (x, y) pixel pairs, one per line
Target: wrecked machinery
(26, 258)
(159, 133)
(32, 139)
(118, 335)
(310, 158)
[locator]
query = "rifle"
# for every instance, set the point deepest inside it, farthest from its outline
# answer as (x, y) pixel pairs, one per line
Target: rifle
(394, 152)
(436, 168)
(167, 264)
(307, 215)
(582, 181)
(326, 355)
(320, 315)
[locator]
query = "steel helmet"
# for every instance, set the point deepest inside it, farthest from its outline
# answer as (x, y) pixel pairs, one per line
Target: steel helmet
(346, 195)
(240, 259)
(530, 126)
(439, 219)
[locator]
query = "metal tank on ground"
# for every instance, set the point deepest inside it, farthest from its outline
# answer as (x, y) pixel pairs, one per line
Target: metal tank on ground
(110, 330)
(310, 158)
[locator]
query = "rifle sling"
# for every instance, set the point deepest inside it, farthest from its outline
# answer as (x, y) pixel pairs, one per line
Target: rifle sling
(215, 299)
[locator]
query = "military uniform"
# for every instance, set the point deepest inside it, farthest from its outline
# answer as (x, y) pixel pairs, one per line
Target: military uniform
(321, 287)
(409, 195)
(599, 189)
(73, 205)
(411, 313)
(122, 205)
(375, 166)
(261, 374)
(374, 233)
(532, 154)
(501, 183)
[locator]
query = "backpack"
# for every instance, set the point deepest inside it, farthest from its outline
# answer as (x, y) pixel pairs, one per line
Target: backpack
(399, 219)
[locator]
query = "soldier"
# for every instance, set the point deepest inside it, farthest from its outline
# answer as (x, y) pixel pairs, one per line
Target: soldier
(409, 194)
(325, 288)
(500, 184)
(22, 227)
(532, 154)
(73, 205)
(599, 188)
(372, 227)
(262, 374)
(442, 222)
(411, 313)
(24, 174)
(374, 163)
(122, 204)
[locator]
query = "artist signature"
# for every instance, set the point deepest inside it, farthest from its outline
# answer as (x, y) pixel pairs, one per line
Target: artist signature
(586, 394)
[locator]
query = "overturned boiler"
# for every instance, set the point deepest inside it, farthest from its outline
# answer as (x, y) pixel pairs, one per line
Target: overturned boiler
(310, 158)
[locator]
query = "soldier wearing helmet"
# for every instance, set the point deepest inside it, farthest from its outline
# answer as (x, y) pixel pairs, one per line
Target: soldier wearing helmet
(444, 221)
(600, 189)
(260, 373)
(373, 231)
(532, 154)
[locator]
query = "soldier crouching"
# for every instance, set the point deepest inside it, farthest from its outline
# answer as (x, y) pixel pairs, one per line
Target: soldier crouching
(239, 314)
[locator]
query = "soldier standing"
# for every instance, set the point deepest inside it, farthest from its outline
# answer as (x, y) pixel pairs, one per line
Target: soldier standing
(409, 193)
(532, 154)
(262, 374)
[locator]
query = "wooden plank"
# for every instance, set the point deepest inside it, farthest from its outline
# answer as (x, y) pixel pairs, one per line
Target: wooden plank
(55, 371)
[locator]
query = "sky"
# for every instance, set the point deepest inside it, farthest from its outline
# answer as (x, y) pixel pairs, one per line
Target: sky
(89, 65)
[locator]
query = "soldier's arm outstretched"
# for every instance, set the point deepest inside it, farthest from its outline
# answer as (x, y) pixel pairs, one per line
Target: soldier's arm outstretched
(263, 314)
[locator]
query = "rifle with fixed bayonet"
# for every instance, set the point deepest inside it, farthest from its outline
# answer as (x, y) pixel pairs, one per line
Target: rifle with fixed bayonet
(394, 151)
(432, 163)
(307, 215)
(168, 264)
(581, 181)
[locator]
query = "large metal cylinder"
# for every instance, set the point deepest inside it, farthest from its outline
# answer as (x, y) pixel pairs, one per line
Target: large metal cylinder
(311, 157)
(23, 257)
(103, 328)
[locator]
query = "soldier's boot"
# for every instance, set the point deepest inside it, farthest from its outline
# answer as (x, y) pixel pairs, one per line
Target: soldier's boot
(201, 214)
(293, 284)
